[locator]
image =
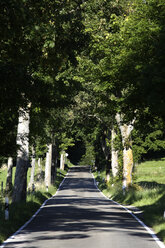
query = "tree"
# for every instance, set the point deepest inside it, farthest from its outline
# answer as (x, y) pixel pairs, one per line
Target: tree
(114, 153)
(148, 141)
(33, 163)
(38, 48)
(9, 175)
(48, 166)
(109, 53)
(99, 62)
(126, 130)
(140, 61)
(20, 184)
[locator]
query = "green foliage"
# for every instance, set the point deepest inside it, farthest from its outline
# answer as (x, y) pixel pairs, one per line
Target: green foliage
(120, 60)
(3, 175)
(148, 140)
(140, 59)
(36, 62)
(66, 142)
(79, 63)
(100, 179)
(89, 157)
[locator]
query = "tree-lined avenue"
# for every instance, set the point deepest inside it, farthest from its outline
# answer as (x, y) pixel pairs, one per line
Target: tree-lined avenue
(80, 216)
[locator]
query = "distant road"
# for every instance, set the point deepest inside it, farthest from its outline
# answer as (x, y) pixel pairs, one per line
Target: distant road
(79, 216)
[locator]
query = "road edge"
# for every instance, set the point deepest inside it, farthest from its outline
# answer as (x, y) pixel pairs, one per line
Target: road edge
(148, 229)
(10, 239)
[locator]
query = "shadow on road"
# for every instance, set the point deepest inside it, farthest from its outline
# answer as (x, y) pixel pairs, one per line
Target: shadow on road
(80, 212)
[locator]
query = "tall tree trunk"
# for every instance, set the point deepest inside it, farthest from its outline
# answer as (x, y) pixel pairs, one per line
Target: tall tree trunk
(39, 164)
(62, 161)
(128, 166)
(108, 168)
(32, 168)
(114, 154)
(48, 166)
(54, 163)
(20, 184)
(40, 177)
(106, 150)
(126, 130)
(9, 175)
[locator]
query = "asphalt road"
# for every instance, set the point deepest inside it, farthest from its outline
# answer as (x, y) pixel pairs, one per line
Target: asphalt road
(79, 216)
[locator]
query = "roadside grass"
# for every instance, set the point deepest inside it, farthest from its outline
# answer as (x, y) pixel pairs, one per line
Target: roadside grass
(147, 193)
(21, 212)
(3, 175)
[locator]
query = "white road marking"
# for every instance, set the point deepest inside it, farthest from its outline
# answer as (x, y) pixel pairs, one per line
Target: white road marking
(149, 230)
(10, 239)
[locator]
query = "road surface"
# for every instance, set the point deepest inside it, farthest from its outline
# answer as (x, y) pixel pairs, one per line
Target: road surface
(79, 216)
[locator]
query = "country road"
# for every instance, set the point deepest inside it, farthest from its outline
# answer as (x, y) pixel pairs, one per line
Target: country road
(79, 216)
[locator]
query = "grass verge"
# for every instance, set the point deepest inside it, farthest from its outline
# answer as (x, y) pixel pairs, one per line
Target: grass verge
(21, 212)
(147, 193)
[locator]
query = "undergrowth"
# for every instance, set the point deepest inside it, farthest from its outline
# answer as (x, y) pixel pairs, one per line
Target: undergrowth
(147, 193)
(21, 212)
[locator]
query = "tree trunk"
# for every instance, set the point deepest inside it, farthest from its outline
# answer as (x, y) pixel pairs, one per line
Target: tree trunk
(20, 184)
(9, 175)
(32, 168)
(106, 150)
(62, 161)
(54, 163)
(108, 168)
(40, 177)
(114, 154)
(127, 167)
(126, 130)
(48, 166)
